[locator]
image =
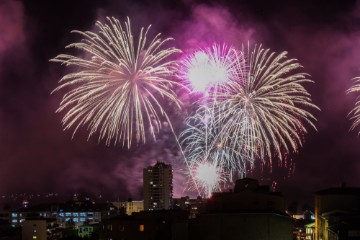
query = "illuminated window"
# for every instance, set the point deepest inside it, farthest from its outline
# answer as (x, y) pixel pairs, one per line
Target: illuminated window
(34, 237)
(68, 214)
(142, 228)
(82, 214)
(14, 214)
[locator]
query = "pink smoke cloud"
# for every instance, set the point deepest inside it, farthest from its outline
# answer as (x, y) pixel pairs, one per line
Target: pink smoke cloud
(12, 21)
(209, 24)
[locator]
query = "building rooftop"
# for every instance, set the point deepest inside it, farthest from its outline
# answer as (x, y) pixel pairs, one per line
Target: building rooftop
(246, 184)
(71, 206)
(248, 212)
(161, 165)
(340, 191)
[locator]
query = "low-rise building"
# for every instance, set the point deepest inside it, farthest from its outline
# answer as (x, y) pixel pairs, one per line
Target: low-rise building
(18, 217)
(9, 232)
(87, 231)
(251, 211)
(40, 229)
(129, 207)
(143, 225)
(70, 214)
(302, 225)
(337, 213)
(310, 231)
(194, 206)
(79, 213)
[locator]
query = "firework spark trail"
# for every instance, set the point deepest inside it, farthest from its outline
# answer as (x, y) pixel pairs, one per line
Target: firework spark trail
(354, 114)
(118, 84)
(268, 103)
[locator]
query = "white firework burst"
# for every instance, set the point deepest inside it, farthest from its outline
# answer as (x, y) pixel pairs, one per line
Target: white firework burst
(119, 83)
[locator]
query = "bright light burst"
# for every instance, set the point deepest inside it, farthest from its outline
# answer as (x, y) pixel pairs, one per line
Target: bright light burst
(268, 103)
(203, 139)
(209, 68)
(256, 111)
(118, 84)
(355, 112)
(208, 177)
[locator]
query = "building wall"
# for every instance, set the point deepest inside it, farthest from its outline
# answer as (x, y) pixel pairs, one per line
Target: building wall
(123, 229)
(134, 206)
(5, 216)
(241, 226)
(148, 225)
(245, 200)
(331, 202)
(85, 231)
(18, 217)
(193, 206)
(158, 187)
(79, 218)
(40, 229)
(34, 229)
(310, 231)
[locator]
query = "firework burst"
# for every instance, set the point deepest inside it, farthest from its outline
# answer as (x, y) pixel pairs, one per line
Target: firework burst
(267, 103)
(208, 177)
(207, 70)
(203, 139)
(355, 112)
(118, 84)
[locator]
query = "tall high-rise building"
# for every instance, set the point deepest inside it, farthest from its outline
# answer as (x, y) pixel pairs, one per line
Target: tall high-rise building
(158, 186)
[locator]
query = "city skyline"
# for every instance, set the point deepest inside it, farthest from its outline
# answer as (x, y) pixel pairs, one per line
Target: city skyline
(37, 156)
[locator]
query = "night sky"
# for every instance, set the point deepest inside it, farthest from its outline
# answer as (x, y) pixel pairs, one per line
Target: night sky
(36, 155)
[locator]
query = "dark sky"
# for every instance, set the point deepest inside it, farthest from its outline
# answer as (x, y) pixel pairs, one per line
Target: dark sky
(37, 156)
